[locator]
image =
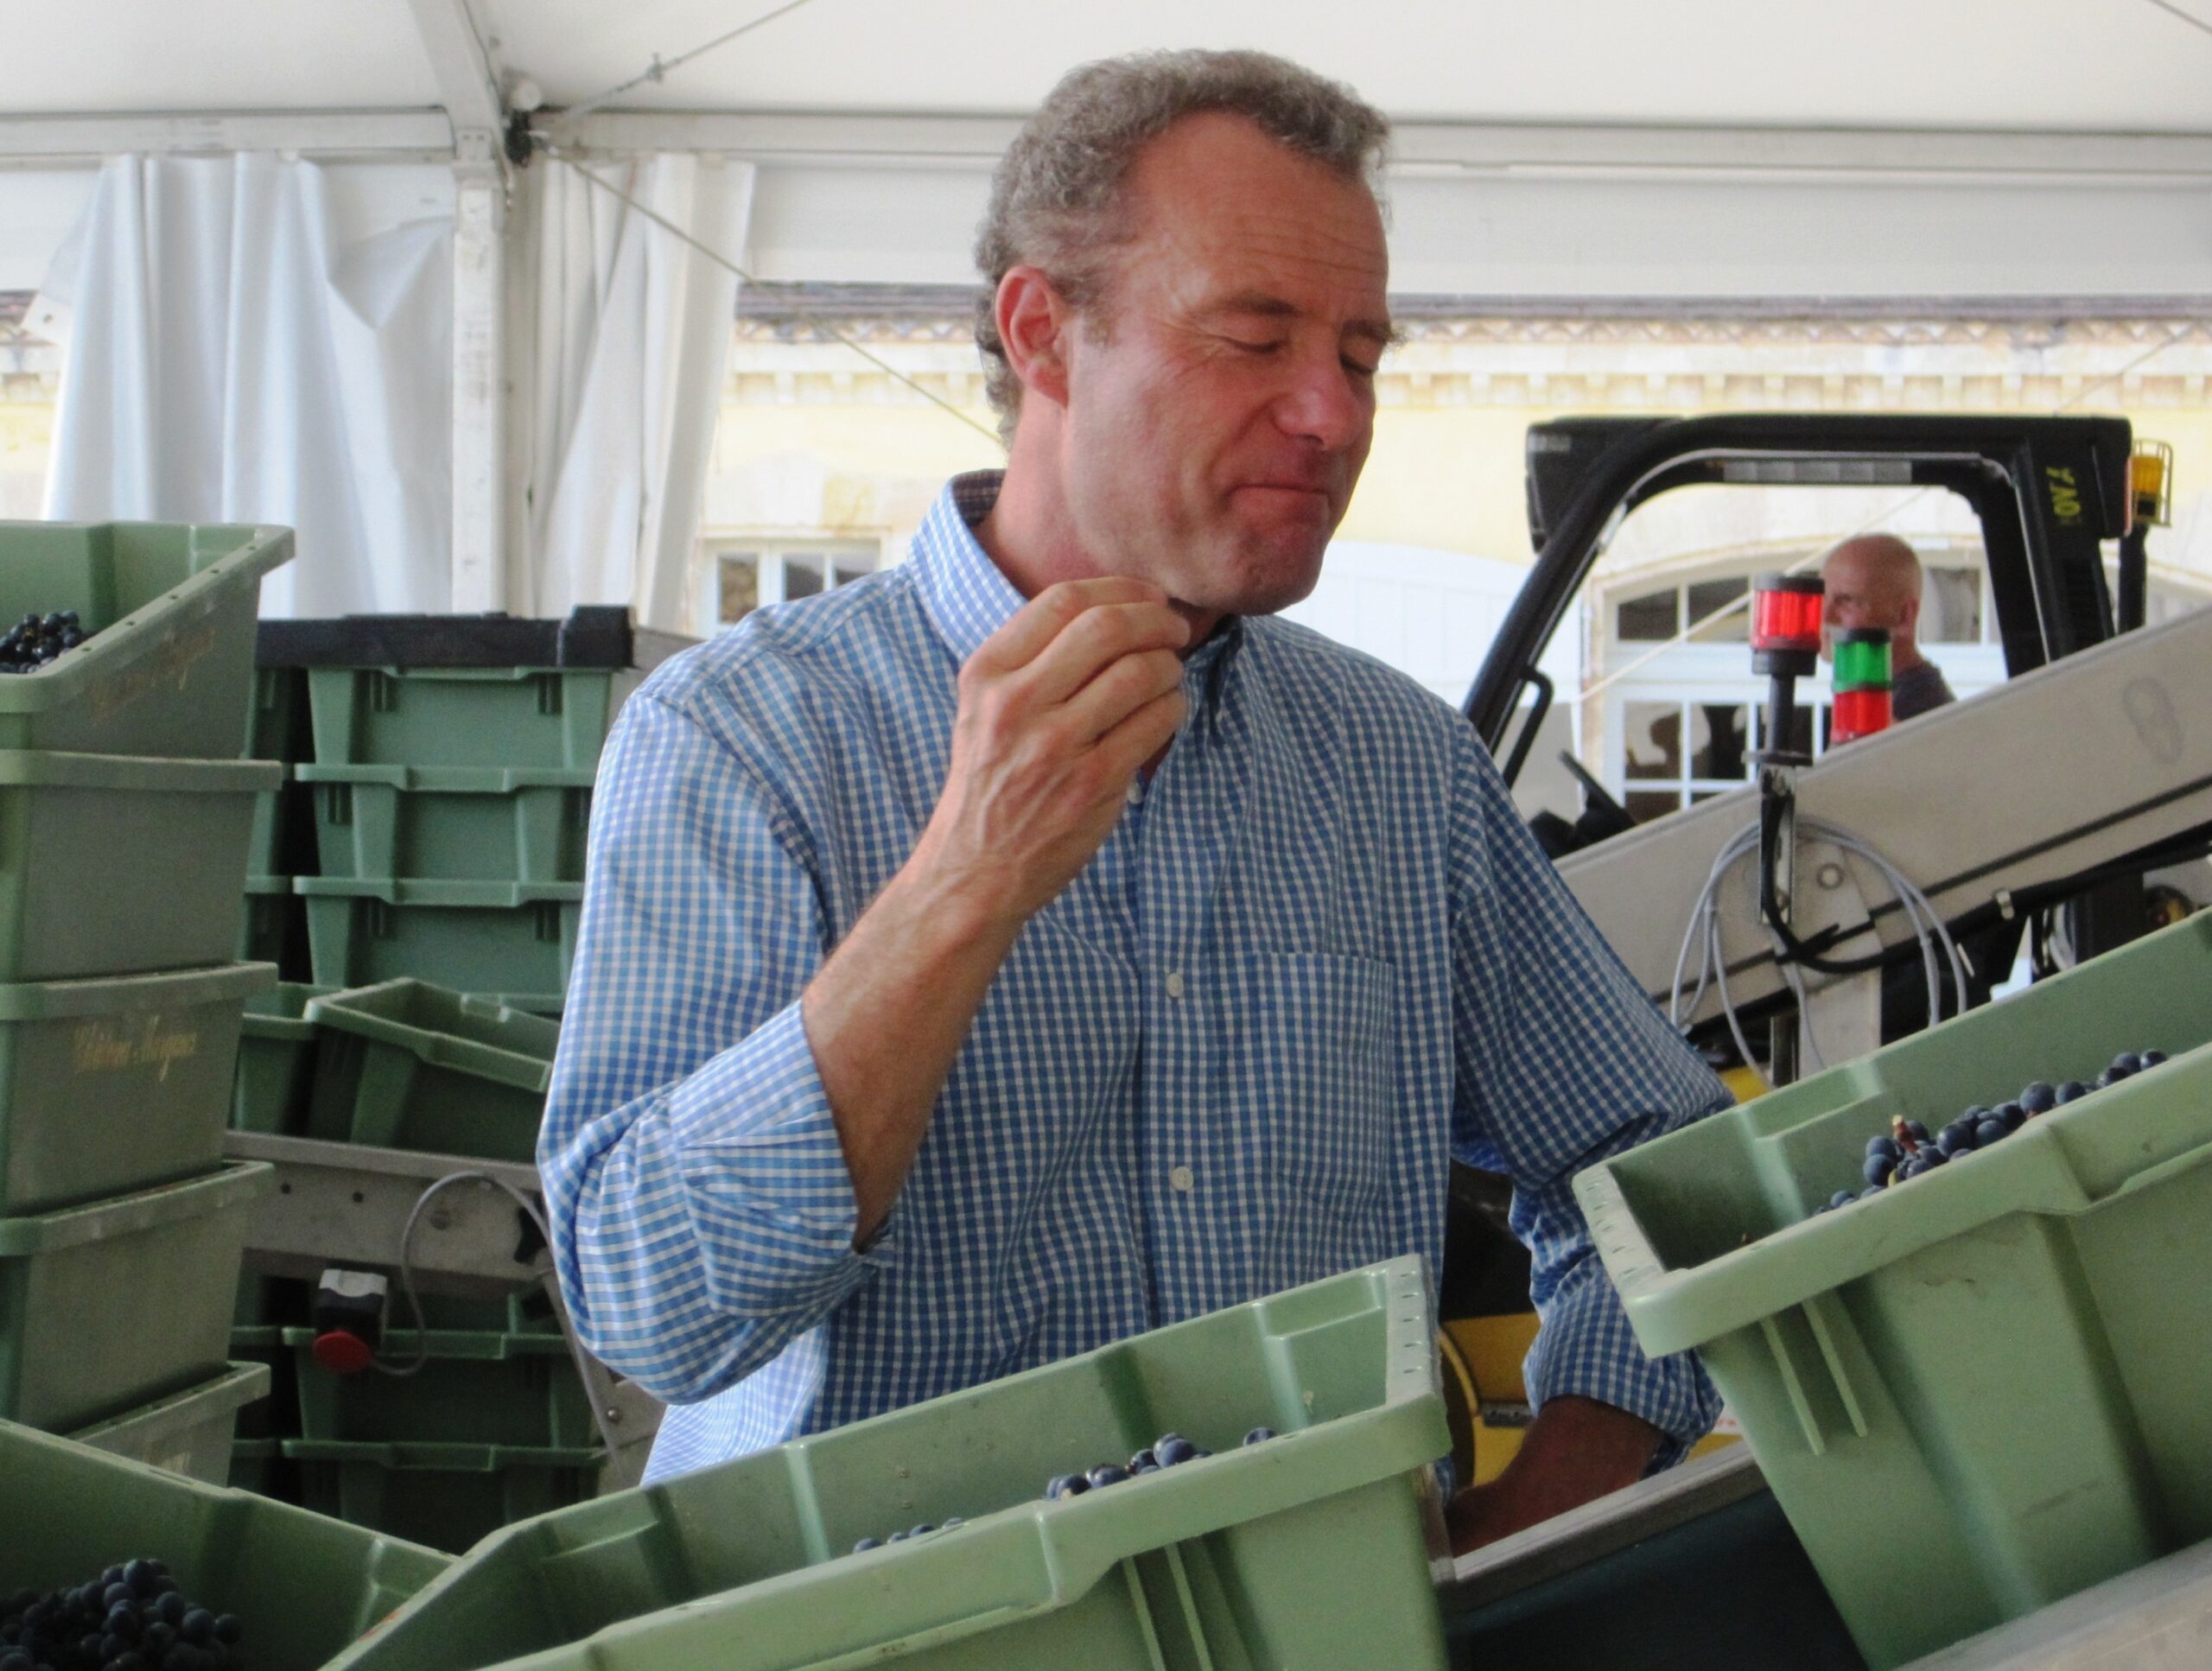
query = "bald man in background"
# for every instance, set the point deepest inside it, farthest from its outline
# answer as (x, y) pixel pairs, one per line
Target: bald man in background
(1875, 581)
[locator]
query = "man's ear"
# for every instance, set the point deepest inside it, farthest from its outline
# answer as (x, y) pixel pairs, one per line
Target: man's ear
(1035, 325)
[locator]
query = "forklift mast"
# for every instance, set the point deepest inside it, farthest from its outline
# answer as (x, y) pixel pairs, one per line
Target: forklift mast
(2046, 491)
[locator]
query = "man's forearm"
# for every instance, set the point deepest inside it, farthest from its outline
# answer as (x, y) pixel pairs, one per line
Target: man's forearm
(1576, 1451)
(886, 1016)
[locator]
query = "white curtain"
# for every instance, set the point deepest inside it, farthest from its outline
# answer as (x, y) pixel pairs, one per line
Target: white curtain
(230, 358)
(631, 337)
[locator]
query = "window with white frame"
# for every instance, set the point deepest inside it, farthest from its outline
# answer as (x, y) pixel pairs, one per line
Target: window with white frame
(742, 576)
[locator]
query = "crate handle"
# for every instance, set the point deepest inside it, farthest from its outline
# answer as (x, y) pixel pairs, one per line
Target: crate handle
(1799, 1385)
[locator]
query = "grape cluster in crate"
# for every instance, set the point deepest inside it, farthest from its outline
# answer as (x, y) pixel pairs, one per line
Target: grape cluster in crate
(132, 1618)
(1907, 1151)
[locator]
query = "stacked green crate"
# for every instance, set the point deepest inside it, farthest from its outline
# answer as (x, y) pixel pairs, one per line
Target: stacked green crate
(434, 1455)
(445, 786)
(408, 1065)
(275, 930)
(450, 782)
(492, 1427)
(127, 816)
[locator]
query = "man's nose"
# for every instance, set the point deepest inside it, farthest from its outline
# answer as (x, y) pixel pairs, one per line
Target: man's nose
(1326, 404)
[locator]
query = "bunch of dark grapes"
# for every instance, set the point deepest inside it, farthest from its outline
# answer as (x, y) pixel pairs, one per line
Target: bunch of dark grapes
(1907, 1151)
(34, 641)
(132, 1618)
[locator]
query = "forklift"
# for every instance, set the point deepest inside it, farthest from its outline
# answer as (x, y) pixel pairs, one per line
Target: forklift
(2052, 495)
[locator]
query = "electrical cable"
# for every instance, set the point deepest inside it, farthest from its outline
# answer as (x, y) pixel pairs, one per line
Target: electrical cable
(2189, 18)
(1929, 935)
(658, 70)
(414, 1299)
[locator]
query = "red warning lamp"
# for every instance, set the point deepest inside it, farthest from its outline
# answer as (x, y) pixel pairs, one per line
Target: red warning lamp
(1860, 713)
(1786, 613)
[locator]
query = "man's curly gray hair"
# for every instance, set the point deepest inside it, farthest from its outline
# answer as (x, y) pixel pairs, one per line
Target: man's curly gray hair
(1056, 196)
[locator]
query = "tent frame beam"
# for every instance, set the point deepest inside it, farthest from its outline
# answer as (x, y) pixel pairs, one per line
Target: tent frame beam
(471, 97)
(61, 141)
(1524, 149)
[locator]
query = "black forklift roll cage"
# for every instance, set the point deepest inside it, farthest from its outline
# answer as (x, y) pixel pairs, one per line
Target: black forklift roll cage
(2046, 491)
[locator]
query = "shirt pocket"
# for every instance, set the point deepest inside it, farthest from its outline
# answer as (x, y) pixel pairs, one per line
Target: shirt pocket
(1314, 1059)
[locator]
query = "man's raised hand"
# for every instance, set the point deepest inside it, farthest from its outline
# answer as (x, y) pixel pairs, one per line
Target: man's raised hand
(1060, 709)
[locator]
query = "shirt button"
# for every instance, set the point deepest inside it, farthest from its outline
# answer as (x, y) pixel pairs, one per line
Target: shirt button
(1174, 984)
(1135, 791)
(1181, 1178)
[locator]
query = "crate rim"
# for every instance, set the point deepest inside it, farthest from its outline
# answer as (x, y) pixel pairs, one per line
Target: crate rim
(110, 995)
(240, 1385)
(261, 547)
(1402, 1434)
(47, 768)
(451, 779)
(232, 1184)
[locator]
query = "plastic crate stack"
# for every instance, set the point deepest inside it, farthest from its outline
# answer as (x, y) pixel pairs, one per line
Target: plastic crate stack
(442, 771)
(495, 1423)
(126, 816)
(449, 763)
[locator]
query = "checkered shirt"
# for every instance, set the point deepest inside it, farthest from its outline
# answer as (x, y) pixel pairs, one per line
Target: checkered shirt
(1319, 955)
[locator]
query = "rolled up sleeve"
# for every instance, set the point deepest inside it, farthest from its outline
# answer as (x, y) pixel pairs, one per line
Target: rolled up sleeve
(701, 1212)
(1561, 1062)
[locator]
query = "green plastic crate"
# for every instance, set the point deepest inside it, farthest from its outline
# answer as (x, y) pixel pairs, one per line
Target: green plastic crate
(409, 1065)
(113, 866)
(473, 937)
(449, 1497)
(451, 823)
(1985, 1389)
(108, 1086)
(513, 1388)
(303, 1586)
(189, 1433)
(278, 726)
(277, 1416)
(274, 928)
(274, 1079)
(1310, 1552)
(105, 1307)
(264, 843)
(171, 610)
(461, 717)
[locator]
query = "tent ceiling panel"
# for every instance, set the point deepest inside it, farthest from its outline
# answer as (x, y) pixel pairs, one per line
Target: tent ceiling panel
(2079, 65)
(2113, 65)
(129, 56)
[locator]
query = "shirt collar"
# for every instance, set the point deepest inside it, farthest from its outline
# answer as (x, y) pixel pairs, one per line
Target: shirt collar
(969, 598)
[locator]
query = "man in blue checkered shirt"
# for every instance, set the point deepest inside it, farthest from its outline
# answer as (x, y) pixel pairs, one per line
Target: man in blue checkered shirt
(1037, 943)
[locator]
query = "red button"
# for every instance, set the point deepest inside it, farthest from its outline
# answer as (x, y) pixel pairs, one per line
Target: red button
(342, 1354)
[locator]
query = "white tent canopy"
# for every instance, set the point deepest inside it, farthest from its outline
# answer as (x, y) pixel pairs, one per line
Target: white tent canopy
(1891, 152)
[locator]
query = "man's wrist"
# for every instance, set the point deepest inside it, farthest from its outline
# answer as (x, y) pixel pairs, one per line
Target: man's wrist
(965, 906)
